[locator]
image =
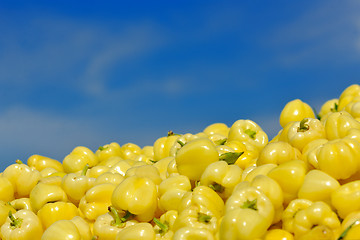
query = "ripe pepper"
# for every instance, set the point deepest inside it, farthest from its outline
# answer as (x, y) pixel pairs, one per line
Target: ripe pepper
(108, 225)
(350, 226)
(131, 151)
(290, 176)
(249, 152)
(295, 110)
(196, 218)
(182, 140)
(302, 132)
(137, 195)
(249, 197)
(164, 226)
(221, 177)
(346, 198)
(217, 128)
(348, 95)
(52, 212)
(62, 230)
(171, 190)
(318, 186)
(248, 131)
(141, 230)
(22, 225)
(78, 158)
(107, 151)
(109, 177)
(288, 217)
(251, 173)
(317, 214)
(278, 152)
(190, 233)
(41, 162)
(162, 166)
(44, 193)
(278, 234)
(204, 197)
(96, 171)
(22, 177)
(6, 189)
(162, 146)
(96, 200)
(328, 107)
(21, 203)
(338, 158)
(354, 108)
(195, 156)
(148, 171)
(338, 124)
(75, 185)
(5, 208)
(123, 165)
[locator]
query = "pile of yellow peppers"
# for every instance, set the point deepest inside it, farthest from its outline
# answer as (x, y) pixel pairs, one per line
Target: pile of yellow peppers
(224, 183)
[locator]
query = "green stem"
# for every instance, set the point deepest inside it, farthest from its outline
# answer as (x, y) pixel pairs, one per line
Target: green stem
(250, 204)
(117, 221)
(164, 227)
(251, 133)
(126, 217)
(202, 217)
(342, 236)
(18, 161)
(230, 157)
(303, 126)
(181, 143)
(83, 173)
(217, 187)
(15, 222)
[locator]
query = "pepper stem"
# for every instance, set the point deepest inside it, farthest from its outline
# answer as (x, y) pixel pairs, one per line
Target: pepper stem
(251, 133)
(83, 173)
(180, 142)
(164, 227)
(202, 217)
(343, 235)
(230, 157)
(15, 222)
(18, 161)
(126, 217)
(303, 126)
(217, 187)
(119, 221)
(250, 204)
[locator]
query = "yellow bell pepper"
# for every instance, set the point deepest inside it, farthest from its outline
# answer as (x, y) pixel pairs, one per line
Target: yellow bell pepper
(295, 110)
(338, 158)
(107, 151)
(6, 189)
(137, 195)
(329, 107)
(52, 212)
(53, 179)
(249, 197)
(148, 151)
(278, 234)
(123, 165)
(21, 203)
(277, 153)
(338, 124)
(131, 151)
(75, 185)
(108, 225)
(346, 198)
(195, 156)
(318, 186)
(204, 197)
(354, 108)
(182, 140)
(96, 200)
(290, 176)
(172, 168)
(164, 226)
(221, 177)
(350, 226)
(22, 177)
(243, 223)
(302, 132)
(248, 131)
(96, 171)
(62, 230)
(162, 166)
(84, 228)
(348, 95)
(251, 173)
(289, 214)
(5, 208)
(44, 193)
(317, 214)
(319, 232)
(109, 177)
(171, 191)
(163, 145)
(217, 128)
(249, 152)
(273, 191)
(196, 218)
(146, 171)
(22, 225)
(78, 158)
(41, 162)
(142, 231)
(190, 233)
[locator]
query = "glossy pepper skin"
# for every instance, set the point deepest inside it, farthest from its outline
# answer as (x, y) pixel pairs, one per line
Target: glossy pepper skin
(339, 158)
(78, 158)
(62, 230)
(6, 189)
(295, 110)
(163, 145)
(142, 230)
(22, 177)
(193, 158)
(348, 95)
(346, 198)
(288, 217)
(107, 151)
(41, 162)
(350, 226)
(137, 195)
(277, 153)
(221, 177)
(5, 208)
(190, 233)
(22, 225)
(248, 131)
(338, 124)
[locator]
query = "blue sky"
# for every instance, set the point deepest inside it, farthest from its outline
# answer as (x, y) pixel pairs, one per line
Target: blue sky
(89, 72)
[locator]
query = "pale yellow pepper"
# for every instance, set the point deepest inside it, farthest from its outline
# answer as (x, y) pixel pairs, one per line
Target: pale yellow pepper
(6, 189)
(217, 128)
(346, 198)
(338, 124)
(191, 233)
(5, 208)
(277, 153)
(329, 107)
(348, 95)
(295, 110)
(289, 214)
(131, 151)
(107, 151)
(350, 226)
(62, 230)
(146, 171)
(41, 162)
(143, 231)
(52, 212)
(249, 152)
(162, 146)
(21, 203)
(78, 158)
